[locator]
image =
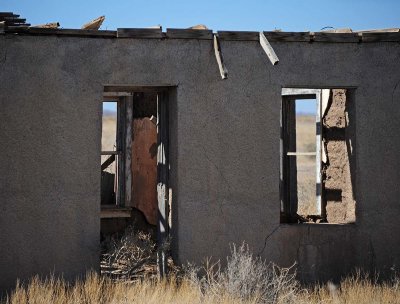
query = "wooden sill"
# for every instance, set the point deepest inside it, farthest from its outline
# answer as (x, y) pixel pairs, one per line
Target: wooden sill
(113, 211)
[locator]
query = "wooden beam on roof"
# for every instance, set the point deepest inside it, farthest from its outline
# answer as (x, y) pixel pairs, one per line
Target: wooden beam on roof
(94, 24)
(386, 30)
(380, 37)
(218, 55)
(268, 49)
(60, 32)
(140, 33)
(199, 27)
(238, 35)
(52, 25)
(339, 30)
(336, 37)
(189, 34)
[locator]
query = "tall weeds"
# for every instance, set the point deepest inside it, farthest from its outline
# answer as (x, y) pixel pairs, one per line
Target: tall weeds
(244, 279)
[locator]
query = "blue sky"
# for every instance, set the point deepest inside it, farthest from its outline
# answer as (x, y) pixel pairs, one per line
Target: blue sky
(218, 15)
(306, 15)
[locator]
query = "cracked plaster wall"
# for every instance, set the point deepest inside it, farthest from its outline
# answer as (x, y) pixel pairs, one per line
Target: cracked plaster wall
(224, 150)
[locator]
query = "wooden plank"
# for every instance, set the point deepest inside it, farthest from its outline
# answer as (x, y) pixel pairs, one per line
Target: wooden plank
(273, 36)
(238, 35)
(136, 88)
(128, 150)
(318, 141)
(220, 60)
(108, 162)
(336, 37)
(380, 37)
(48, 25)
(339, 30)
(162, 181)
(13, 19)
(144, 166)
(296, 91)
(188, 34)
(114, 212)
(199, 27)
(94, 24)
(385, 30)
(109, 152)
(140, 33)
(62, 32)
(8, 14)
(121, 132)
(268, 49)
(301, 153)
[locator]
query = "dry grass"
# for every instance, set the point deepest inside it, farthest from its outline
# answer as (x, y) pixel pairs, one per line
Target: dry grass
(96, 289)
(245, 279)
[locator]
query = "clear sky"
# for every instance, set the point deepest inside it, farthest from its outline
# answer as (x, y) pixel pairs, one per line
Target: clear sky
(287, 15)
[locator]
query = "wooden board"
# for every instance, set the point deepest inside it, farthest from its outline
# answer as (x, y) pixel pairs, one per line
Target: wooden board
(152, 33)
(381, 37)
(144, 168)
(336, 37)
(238, 35)
(114, 212)
(288, 36)
(188, 34)
(61, 32)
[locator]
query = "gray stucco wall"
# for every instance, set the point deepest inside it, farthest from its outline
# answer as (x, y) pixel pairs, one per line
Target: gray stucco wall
(224, 149)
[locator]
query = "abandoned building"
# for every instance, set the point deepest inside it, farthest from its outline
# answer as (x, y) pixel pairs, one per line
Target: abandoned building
(205, 146)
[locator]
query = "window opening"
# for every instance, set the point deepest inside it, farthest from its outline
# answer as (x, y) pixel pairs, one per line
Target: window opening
(317, 156)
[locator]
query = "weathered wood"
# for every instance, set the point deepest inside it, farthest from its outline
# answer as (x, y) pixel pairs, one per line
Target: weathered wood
(268, 49)
(301, 92)
(189, 34)
(163, 181)
(8, 14)
(52, 25)
(62, 32)
(199, 27)
(336, 37)
(301, 153)
(144, 167)
(94, 24)
(385, 30)
(380, 37)
(238, 35)
(287, 36)
(120, 174)
(153, 119)
(109, 152)
(339, 30)
(114, 212)
(12, 19)
(140, 33)
(220, 60)
(128, 150)
(108, 162)
(288, 176)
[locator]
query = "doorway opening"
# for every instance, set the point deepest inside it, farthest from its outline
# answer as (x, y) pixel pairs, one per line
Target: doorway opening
(135, 164)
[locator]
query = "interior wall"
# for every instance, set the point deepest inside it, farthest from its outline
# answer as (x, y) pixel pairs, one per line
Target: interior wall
(224, 149)
(338, 139)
